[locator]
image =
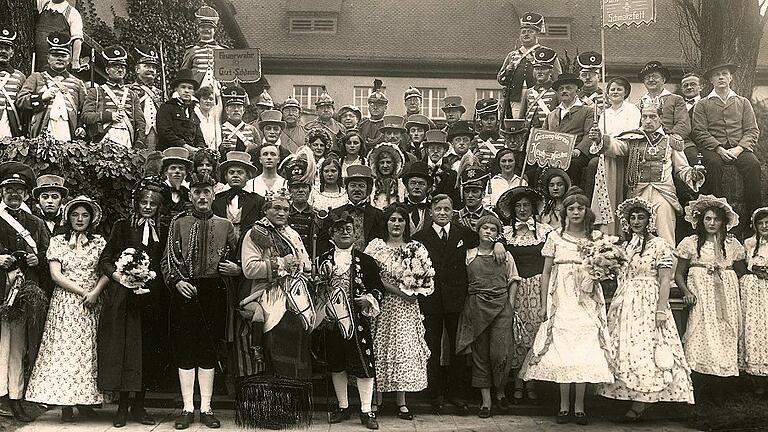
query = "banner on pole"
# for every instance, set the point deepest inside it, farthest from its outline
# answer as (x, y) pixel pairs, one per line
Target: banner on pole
(550, 149)
(243, 65)
(617, 13)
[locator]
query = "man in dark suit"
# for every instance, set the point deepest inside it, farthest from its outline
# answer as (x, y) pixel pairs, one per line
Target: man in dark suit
(369, 221)
(572, 117)
(177, 124)
(446, 241)
(417, 183)
(240, 207)
(23, 243)
(443, 177)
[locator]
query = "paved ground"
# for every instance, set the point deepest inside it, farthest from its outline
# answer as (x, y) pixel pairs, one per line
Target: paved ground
(50, 422)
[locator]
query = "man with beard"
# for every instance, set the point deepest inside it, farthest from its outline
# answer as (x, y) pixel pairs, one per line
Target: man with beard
(377, 106)
(418, 183)
(112, 112)
(202, 251)
(293, 135)
(54, 95)
(24, 239)
(350, 116)
(572, 117)
(517, 70)
(240, 207)
(369, 221)
(150, 96)
(177, 123)
(325, 111)
(236, 134)
(590, 64)
(49, 196)
(11, 81)
(175, 165)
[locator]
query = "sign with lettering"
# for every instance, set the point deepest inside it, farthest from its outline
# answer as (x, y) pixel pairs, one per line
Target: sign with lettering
(550, 149)
(242, 65)
(617, 13)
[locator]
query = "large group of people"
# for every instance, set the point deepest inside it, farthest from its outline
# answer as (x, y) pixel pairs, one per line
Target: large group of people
(409, 253)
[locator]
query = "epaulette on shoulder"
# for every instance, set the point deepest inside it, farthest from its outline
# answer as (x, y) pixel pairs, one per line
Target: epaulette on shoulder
(260, 236)
(634, 134)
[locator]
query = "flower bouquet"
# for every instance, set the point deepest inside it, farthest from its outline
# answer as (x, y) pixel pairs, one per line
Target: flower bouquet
(133, 269)
(603, 258)
(415, 268)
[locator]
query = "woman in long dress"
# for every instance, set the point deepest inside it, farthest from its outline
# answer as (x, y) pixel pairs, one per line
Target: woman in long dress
(485, 324)
(398, 332)
(620, 117)
(572, 345)
(753, 346)
(133, 326)
(640, 320)
(65, 373)
(707, 274)
(525, 238)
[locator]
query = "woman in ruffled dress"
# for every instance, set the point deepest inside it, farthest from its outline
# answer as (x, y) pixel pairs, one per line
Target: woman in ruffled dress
(553, 184)
(707, 268)
(572, 345)
(525, 238)
(66, 370)
(330, 194)
(753, 347)
(133, 326)
(400, 349)
(485, 324)
(648, 354)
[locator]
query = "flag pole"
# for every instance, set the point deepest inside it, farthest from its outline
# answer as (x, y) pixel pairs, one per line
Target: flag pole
(602, 53)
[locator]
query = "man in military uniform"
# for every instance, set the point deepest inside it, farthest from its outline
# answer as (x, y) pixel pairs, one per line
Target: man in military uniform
(199, 57)
(240, 207)
(370, 128)
(474, 182)
(150, 96)
(112, 111)
(235, 133)
(590, 66)
(293, 135)
(177, 124)
(653, 159)
(487, 123)
(393, 129)
(350, 116)
(54, 95)
(413, 99)
(516, 72)
(24, 242)
(453, 108)
(325, 111)
(539, 100)
(11, 80)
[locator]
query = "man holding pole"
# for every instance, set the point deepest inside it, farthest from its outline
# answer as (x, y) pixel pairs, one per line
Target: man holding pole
(516, 72)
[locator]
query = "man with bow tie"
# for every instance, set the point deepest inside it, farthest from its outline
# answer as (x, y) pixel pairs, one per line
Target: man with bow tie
(574, 117)
(112, 112)
(54, 95)
(368, 220)
(23, 245)
(11, 80)
(150, 97)
(653, 158)
(240, 207)
(726, 132)
(418, 183)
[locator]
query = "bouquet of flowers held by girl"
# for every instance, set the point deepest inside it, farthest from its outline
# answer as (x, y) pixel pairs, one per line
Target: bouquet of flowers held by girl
(133, 270)
(415, 267)
(603, 257)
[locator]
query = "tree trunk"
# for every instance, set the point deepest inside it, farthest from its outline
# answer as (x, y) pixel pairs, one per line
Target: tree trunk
(21, 16)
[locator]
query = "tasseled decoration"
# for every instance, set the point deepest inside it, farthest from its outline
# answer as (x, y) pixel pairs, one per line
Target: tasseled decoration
(264, 402)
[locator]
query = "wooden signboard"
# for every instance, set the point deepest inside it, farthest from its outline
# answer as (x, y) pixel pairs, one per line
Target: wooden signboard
(242, 65)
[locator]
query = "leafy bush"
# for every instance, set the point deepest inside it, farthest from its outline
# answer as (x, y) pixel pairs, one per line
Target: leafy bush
(105, 173)
(761, 150)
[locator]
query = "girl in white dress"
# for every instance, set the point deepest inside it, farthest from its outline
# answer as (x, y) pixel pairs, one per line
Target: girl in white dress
(753, 346)
(572, 345)
(330, 194)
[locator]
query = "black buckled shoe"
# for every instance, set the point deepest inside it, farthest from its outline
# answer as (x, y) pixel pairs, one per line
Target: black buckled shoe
(184, 420)
(207, 418)
(339, 415)
(369, 420)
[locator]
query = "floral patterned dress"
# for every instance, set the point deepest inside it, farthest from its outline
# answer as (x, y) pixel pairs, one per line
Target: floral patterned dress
(525, 245)
(711, 339)
(573, 344)
(399, 346)
(632, 326)
(66, 369)
(753, 344)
